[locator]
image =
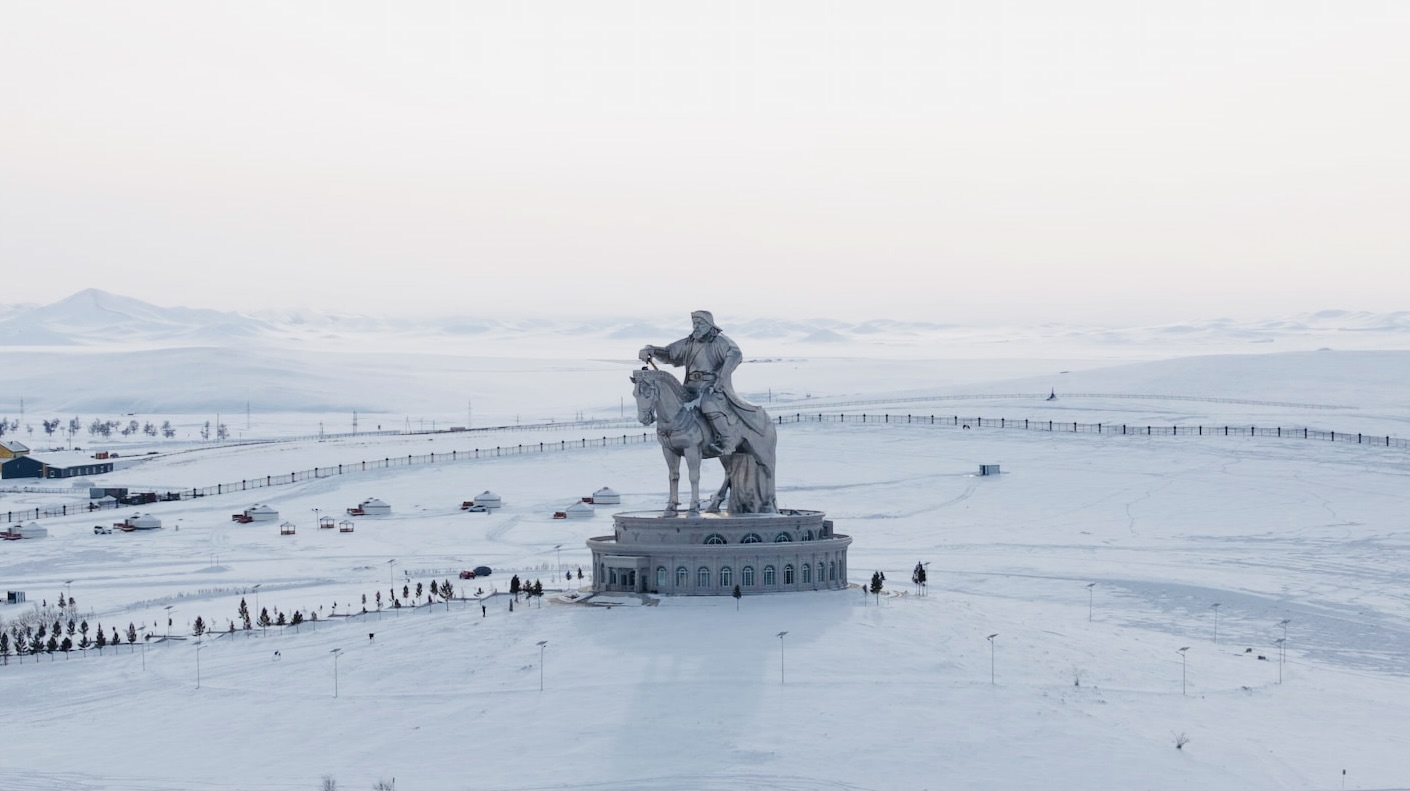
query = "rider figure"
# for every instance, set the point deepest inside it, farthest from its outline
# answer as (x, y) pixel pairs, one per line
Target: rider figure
(709, 358)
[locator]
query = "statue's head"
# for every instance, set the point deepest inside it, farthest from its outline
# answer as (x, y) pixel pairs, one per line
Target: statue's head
(702, 323)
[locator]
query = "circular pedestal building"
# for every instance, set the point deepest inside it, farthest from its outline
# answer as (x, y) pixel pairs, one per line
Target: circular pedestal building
(709, 554)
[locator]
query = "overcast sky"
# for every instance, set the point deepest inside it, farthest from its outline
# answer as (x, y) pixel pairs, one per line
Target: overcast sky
(1082, 161)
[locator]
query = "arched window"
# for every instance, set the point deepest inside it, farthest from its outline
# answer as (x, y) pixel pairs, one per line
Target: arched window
(808, 535)
(832, 571)
(702, 577)
(769, 576)
(807, 574)
(660, 577)
(715, 538)
(821, 578)
(782, 538)
(726, 577)
(748, 576)
(788, 574)
(682, 576)
(751, 538)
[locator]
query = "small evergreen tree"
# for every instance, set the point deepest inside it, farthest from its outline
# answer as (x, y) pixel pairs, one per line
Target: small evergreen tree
(406, 592)
(264, 621)
(918, 576)
(419, 589)
(447, 593)
(66, 646)
(281, 620)
(117, 638)
(515, 586)
(379, 601)
(876, 582)
(199, 627)
(51, 646)
(5, 647)
(131, 633)
(102, 641)
(297, 619)
(737, 594)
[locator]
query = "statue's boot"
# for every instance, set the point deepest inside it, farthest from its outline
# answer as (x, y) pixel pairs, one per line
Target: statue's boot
(724, 443)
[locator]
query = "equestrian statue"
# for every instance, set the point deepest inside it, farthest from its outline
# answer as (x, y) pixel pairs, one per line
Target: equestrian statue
(703, 417)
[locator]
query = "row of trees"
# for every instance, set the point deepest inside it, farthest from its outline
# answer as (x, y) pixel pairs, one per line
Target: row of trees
(107, 428)
(35, 635)
(35, 639)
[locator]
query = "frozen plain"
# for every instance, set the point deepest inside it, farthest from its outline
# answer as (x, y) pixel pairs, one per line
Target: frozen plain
(696, 693)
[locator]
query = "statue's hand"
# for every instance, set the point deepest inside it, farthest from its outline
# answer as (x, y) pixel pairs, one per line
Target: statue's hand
(644, 354)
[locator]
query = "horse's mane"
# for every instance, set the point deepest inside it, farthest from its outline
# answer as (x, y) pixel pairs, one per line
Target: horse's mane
(665, 378)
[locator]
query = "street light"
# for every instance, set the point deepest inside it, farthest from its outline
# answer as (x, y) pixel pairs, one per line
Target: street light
(990, 638)
(559, 549)
(255, 588)
(780, 657)
(542, 645)
(168, 619)
(1215, 607)
(335, 652)
(1182, 668)
(1283, 647)
(390, 565)
(68, 587)
(198, 665)
(1090, 585)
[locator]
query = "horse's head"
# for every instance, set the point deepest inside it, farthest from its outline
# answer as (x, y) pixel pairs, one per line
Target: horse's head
(645, 392)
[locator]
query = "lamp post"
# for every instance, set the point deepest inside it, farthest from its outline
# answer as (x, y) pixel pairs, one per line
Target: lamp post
(1215, 608)
(143, 645)
(68, 590)
(168, 619)
(316, 523)
(542, 645)
(990, 638)
(198, 665)
(1182, 668)
(391, 564)
(559, 549)
(335, 652)
(1282, 648)
(780, 658)
(255, 588)
(1090, 586)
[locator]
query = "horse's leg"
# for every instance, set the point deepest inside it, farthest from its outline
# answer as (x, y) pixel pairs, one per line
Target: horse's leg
(714, 506)
(692, 465)
(673, 467)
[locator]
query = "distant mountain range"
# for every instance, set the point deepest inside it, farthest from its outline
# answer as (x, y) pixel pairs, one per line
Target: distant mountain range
(93, 317)
(96, 352)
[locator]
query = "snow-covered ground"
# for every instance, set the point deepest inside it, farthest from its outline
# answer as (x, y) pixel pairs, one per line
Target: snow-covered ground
(1092, 559)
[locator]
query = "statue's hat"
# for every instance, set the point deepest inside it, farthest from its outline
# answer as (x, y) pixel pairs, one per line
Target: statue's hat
(706, 315)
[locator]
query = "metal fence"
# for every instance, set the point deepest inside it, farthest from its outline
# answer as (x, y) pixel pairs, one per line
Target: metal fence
(954, 421)
(387, 462)
(1116, 429)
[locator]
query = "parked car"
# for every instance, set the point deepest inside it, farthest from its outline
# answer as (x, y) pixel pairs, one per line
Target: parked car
(467, 575)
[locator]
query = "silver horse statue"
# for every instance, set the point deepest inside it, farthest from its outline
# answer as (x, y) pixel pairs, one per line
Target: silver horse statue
(685, 433)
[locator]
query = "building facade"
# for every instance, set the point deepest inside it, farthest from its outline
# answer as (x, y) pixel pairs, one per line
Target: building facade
(709, 554)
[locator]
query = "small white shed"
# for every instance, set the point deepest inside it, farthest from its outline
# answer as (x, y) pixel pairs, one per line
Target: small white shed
(144, 522)
(606, 496)
(31, 530)
(988, 469)
(489, 500)
(374, 507)
(580, 510)
(261, 513)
